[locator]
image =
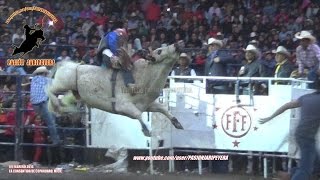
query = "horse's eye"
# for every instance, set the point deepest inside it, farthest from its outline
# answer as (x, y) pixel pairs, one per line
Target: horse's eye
(159, 52)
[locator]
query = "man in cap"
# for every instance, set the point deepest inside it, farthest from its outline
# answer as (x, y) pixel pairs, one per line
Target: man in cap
(39, 101)
(183, 69)
(308, 56)
(305, 134)
(284, 67)
(216, 65)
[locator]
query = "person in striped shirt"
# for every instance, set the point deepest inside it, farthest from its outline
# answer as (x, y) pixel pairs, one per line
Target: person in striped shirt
(308, 56)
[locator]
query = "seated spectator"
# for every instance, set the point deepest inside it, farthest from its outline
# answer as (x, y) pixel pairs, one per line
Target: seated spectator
(18, 37)
(77, 58)
(16, 70)
(2, 72)
(183, 69)
(268, 63)
(194, 42)
(90, 58)
(64, 56)
(284, 67)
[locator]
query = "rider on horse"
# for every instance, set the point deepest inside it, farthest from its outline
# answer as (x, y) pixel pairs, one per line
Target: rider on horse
(108, 52)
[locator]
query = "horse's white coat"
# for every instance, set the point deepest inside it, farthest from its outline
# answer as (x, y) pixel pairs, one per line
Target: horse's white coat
(93, 84)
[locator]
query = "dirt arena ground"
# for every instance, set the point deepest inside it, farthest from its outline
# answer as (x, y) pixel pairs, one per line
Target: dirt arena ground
(79, 175)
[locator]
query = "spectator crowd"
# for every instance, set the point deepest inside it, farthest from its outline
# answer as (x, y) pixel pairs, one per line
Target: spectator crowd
(81, 25)
(233, 25)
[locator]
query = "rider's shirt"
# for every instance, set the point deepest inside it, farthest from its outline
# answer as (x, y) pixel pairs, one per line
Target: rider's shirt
(111, 40)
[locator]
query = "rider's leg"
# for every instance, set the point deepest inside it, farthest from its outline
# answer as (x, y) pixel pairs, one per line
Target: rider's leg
(127, 77)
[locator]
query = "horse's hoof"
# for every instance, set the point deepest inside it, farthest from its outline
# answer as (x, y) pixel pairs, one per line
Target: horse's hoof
(146, 132)
(176, 123)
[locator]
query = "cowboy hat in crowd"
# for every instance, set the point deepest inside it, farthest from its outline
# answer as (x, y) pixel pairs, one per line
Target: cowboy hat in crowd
(185, 55)
(215, 41)
(253, 49)
(282, 50)
(305, 35)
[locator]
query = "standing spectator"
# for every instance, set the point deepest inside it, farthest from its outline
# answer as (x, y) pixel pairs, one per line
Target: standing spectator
(308, 56)
(38, 138)
(216, 65)
(183, 69)
(153, 12)
(39, 100)
(305, 132)
(252, 68)
(9, 135)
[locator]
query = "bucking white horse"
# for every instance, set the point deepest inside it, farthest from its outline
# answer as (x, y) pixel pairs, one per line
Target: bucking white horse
(93, 85)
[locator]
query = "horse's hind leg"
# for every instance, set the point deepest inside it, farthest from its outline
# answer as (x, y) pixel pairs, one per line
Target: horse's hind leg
(132, 111)
(157, 107)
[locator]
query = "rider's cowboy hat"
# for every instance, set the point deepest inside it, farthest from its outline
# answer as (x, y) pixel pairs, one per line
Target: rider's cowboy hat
(185, 55)
(215, 41)
(282, 50)
(41, 69)
(252, 48)
(305, 35)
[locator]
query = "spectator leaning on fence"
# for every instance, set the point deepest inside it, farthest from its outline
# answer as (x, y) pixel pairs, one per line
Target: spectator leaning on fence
(39, 100)
(284, 67)
(308, 56)
(183, 69)
(216, 64)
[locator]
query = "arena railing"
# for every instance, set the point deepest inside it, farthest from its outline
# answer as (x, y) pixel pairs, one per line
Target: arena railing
(295, 83)
(18, 127)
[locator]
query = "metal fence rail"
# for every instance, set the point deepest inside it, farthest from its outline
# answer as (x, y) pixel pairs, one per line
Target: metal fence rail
(19, 127)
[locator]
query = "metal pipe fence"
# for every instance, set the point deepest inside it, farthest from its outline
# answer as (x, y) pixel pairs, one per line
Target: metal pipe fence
(19, 127)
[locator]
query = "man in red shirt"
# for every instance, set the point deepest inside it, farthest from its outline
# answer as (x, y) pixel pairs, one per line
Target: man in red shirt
(153, 13)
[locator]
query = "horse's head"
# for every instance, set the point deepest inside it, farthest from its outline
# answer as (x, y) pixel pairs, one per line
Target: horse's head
(167, 54)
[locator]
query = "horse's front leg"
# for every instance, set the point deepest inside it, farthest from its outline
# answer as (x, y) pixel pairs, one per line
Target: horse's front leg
(133, 112)
(157, 107)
